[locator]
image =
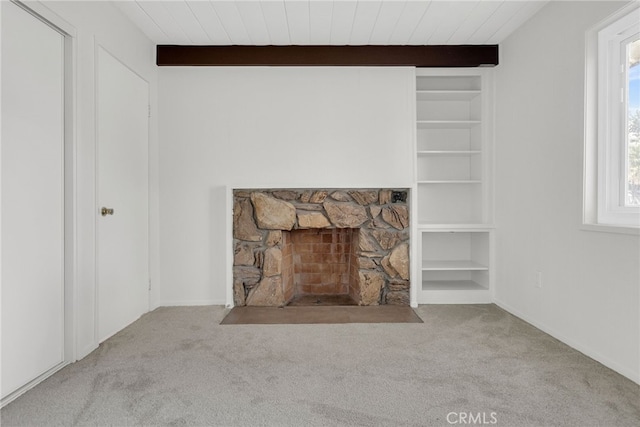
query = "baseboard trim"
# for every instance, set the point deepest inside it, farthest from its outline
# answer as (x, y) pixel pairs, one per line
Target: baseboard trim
(633, 376)
(31, 384)
(86, 351)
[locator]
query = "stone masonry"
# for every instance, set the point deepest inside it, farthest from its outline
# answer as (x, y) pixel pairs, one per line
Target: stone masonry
(262, 217)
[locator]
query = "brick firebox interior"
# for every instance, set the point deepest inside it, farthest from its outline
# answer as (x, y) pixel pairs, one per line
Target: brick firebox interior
(321, 262)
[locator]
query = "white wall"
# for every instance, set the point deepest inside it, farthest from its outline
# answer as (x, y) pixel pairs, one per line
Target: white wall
(100, 23)
(590, 296)
(268, 127)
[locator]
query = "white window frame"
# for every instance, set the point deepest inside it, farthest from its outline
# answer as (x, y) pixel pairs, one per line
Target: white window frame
(605, 121)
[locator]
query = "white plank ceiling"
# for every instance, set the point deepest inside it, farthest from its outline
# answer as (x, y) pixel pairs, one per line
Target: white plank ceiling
(326, 22)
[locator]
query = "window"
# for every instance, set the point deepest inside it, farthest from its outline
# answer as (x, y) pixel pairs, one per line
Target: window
(632, 125)
(612, 155)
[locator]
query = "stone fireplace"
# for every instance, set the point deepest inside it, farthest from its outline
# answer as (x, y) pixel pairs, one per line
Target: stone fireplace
(289, 244)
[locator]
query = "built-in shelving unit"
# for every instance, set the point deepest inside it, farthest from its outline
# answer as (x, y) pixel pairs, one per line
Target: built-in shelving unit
(453, 185)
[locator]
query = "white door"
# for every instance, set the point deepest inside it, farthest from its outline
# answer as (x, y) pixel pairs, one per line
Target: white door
(32, 197)
(123, 237)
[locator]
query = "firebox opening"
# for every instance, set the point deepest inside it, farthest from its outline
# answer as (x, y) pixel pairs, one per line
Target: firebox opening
(320, 267)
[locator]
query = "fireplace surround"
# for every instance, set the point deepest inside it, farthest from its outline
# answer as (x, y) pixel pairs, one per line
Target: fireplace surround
(289, 243)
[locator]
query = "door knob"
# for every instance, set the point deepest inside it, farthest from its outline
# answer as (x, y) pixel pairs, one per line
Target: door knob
(106, 211)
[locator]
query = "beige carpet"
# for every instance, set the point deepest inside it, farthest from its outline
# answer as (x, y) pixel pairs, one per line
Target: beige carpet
(298, 315)
(178, 366)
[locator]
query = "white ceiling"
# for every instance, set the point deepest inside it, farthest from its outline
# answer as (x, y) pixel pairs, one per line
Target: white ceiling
(324, 22)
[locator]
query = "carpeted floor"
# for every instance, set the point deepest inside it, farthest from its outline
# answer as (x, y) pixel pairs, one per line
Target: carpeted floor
(179, 366)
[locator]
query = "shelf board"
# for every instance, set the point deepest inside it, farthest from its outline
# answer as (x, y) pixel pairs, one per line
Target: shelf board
(451, 285)
(451, 181)
(446, 95)
(447, 124)
(453, 292)
(448, 152)
(465, 265)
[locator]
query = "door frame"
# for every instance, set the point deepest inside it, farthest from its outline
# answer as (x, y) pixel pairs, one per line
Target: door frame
(70, 258)
(97, 45)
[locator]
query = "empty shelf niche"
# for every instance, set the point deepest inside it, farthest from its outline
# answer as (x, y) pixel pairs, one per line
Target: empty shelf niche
(455, 260)
(450, 203)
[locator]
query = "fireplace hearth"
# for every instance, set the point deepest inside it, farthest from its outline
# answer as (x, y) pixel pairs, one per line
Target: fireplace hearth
(321, 246)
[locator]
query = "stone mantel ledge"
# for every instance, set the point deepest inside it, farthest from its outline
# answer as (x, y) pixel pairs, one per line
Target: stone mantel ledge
(381, 215)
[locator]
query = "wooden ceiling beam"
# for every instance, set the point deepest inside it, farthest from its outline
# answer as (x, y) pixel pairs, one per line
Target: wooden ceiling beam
(369, 55)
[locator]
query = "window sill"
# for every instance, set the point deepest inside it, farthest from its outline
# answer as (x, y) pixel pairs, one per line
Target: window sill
(616, 229)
